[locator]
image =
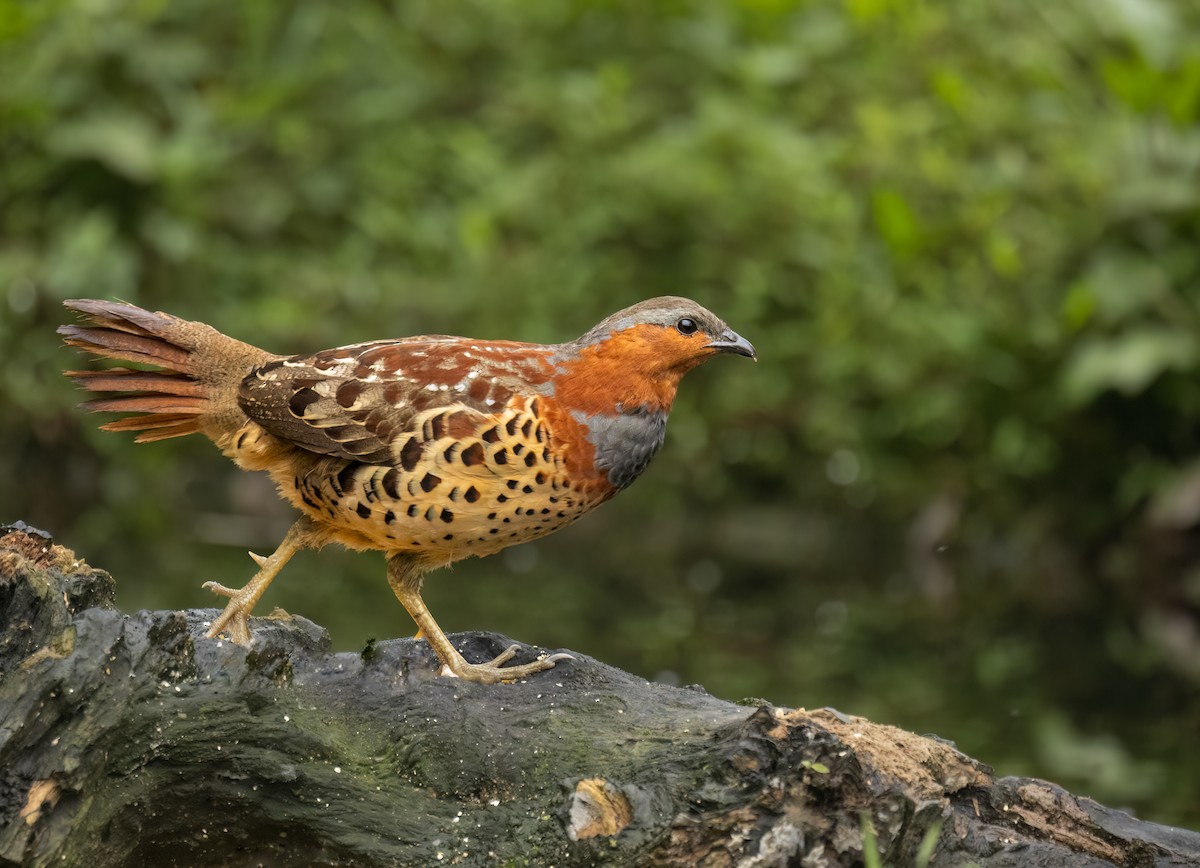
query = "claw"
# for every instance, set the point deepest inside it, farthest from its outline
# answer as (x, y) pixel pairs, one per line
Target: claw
(494, 672)
(219, 589)
(258, 559)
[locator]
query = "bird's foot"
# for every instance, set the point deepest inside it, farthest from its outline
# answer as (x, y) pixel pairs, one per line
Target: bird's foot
(495, 672)
(235, 620)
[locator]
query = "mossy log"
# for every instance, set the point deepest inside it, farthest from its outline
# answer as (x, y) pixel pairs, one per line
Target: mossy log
(131, 740)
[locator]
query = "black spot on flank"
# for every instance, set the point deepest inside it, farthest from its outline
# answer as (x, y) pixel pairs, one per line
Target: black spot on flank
(527, 428)
(430, 514)
(492, 435)
(561, 514)
(447, 516)
(501, 456)
(389, 517)
(454, 493)
(514, 533)
(471, 494)
(501, 498)
(412, 510)
(528, 489)
(300, 401)
(241, 439)
(295, 482)
(473, 455)
(541, 433)
(331, 512)
(512, 483)
(448, 536)
(363, 510)
(511, 426)
(540, 479)
(494, 530)
(546, 454)
(391, 483)
(451, 451)
(518, 511)
(507, 519)
(545, 511)
(429, 482)
(518, 448)
(345, 477)
(308, 502)
(438, 426)
(411, 454)
(530, 460)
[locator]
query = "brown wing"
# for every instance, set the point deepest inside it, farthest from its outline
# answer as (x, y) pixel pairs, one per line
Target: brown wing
(362, 402)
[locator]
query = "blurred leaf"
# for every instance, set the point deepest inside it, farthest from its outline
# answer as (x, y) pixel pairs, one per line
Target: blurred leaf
(1128, 363)
(124, 142)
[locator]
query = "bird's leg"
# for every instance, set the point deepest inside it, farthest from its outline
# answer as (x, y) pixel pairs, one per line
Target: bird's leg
(236, 617)
(404, 575)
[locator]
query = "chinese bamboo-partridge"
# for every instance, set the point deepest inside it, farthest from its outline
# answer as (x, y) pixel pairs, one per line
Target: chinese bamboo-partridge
(430, 449)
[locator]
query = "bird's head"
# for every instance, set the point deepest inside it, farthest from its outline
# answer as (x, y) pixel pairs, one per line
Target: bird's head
(647, 348)
(665, 334)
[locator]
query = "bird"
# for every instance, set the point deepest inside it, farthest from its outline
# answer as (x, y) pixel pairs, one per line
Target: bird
(430, 449)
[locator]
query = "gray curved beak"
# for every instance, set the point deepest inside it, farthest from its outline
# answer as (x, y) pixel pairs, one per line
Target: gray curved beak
(732, 342)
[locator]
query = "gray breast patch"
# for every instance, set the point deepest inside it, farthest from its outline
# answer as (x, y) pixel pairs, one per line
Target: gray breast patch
(625, 442)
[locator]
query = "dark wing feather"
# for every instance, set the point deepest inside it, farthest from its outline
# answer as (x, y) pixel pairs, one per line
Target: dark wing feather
(364, 402)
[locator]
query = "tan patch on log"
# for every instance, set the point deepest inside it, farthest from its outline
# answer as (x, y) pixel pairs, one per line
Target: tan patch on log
(41, 794)
(929, 768)
(598, 808)
(1060, 818)
(21, 550)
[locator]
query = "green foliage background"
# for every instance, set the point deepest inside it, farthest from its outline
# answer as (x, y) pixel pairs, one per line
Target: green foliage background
(960, 491)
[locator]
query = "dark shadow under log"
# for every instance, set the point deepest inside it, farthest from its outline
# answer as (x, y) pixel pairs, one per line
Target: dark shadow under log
(131, 740)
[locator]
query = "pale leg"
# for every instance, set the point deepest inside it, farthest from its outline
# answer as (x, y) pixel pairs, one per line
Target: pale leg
(404, 575)
(236, 617)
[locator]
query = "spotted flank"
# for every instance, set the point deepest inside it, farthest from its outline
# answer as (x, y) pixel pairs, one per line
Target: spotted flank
(464, 481)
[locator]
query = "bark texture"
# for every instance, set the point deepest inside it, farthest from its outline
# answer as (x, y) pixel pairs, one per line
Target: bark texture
(131, 740)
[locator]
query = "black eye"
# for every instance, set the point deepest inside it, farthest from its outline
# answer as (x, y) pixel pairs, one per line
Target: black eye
(686, 326)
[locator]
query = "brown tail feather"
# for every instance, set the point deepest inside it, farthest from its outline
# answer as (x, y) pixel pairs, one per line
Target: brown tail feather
(147, 403)
(115, 344)
(158, 420)
(194, 386)
(159, 426)
(127, 380)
